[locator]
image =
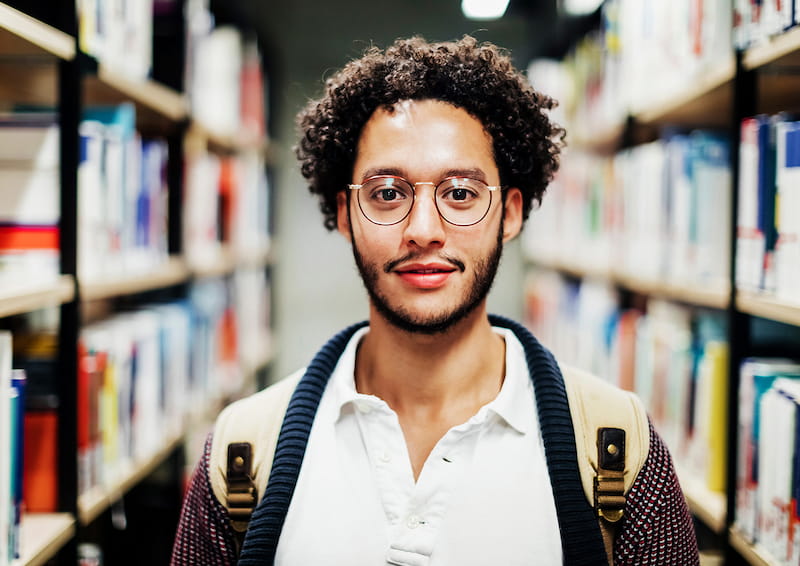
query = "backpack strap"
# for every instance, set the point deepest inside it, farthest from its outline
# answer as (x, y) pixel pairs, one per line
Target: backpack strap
(242, 448)
(612, 437)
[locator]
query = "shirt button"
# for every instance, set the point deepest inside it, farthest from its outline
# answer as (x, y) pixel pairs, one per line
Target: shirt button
(413, 522)
(363, 407)
(385, 457)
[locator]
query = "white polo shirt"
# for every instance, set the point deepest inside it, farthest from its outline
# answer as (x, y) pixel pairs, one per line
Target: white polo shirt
(483, 497)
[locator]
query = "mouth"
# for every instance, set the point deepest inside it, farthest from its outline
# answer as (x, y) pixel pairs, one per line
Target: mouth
(425, 276)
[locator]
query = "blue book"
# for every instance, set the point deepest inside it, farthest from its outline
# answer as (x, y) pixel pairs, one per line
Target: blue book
(18, 386)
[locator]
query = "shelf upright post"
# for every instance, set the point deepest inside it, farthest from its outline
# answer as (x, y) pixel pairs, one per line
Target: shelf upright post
(69, 107)
(744, 104)
(175, 161)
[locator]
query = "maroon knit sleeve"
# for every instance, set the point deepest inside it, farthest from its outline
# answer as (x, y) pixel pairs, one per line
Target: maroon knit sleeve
(658, 528)
(204, 536)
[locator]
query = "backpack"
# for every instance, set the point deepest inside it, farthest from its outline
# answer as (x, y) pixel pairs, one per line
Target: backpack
(611, 430)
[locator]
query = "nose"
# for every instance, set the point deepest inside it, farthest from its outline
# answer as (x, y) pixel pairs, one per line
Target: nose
(424, 226)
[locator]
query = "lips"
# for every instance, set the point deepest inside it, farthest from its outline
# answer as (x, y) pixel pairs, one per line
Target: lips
(425, 275)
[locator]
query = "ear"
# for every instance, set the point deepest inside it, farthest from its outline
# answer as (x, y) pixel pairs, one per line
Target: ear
(342, 214)
(512, 219)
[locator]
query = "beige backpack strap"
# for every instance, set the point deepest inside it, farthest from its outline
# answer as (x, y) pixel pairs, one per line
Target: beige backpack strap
(242, 447)
(612, 436)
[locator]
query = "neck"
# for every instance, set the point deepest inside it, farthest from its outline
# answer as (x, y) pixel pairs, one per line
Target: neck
(456, 371)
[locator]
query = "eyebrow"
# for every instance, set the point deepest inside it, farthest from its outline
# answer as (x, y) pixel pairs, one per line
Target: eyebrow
(472, 172)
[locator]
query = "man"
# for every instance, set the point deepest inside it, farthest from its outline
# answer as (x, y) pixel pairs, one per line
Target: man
(427, 437)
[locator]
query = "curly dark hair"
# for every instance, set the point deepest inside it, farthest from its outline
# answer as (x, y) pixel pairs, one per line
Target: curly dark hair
(478, 77)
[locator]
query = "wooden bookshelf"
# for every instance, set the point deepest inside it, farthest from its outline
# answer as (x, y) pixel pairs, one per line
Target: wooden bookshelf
(783, 50)
(158, 107)
(603, 141)
(207, 138)
(708, 506)
(92, 503)
(751, 553)
(173, 272)
(706, 100)
(20, 300)
(22, 35)
(712, 297)
(42, 536)
(768, 307)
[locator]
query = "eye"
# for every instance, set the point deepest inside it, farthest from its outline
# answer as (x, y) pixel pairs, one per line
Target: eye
(461, 191)
(386, 195)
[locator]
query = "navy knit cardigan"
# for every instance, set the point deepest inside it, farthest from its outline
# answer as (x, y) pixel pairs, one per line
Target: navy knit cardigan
(581, 540)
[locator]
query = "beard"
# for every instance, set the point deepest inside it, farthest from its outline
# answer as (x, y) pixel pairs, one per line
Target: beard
(435, 322)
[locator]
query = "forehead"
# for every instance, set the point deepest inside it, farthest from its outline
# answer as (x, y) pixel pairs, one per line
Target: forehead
(425, 137)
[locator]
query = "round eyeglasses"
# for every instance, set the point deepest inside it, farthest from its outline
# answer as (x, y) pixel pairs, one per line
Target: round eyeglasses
(388, 199)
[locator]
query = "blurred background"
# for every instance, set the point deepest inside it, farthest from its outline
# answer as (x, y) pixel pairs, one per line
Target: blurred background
(161, 256)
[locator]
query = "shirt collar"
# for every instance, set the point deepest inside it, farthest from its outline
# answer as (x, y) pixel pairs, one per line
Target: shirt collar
(512, 403)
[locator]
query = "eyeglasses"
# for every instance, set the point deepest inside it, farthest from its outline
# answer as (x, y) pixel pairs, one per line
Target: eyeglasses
(387, 199)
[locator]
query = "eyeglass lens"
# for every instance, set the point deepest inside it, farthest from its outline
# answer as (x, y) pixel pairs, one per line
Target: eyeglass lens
(460, 200)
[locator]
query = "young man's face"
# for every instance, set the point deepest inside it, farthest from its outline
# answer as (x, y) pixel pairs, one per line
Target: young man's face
(424, 274)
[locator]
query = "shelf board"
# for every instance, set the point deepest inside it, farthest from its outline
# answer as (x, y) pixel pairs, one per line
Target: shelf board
(226, 260)
(22, 35)
(708, 506)
(172, 272)
(20, 300)
(42, 536)
(100, 498)
(604, 141)
(712, 297)
(157, 106)
(707, 101)
(206, 138)
(768, 307)
(751, 553)
(782, 49)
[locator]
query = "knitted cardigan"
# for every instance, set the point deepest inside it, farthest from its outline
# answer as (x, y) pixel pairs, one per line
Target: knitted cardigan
(581, 540)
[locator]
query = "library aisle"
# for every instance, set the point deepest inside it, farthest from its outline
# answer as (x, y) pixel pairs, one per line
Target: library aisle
(136, 253)
(666, 257)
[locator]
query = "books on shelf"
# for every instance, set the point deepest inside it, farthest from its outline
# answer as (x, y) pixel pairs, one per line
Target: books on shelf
(226, 201)
(122, 196)
(755, 23)
(143, 372)
(642, 213)
(29, 201)
(768, 229)
(119, 33)
(675, 358)
(644, 55)
(765, 458)
(12, 430)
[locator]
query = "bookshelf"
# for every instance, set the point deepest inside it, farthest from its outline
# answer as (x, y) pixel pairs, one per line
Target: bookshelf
(22, 35)
(43, 66)
(21, 300)
(707, 101)
(759, 79)
(173, 272)
(42, 535)
(768, 307)
(100, 498)
(716, 298)
(753, 554)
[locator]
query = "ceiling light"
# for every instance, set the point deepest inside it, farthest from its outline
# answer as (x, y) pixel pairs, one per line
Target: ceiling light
(484, 9)
(580, 7)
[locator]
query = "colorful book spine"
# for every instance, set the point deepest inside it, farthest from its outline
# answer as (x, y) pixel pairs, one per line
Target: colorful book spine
(757, 376)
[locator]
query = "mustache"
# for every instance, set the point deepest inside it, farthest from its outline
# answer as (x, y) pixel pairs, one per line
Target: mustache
(389, 266)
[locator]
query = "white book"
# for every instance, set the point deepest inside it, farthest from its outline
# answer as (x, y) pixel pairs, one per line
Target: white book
(749, 239)
(6, 507)
(29, 196)
(787, 178)
(36, 146)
